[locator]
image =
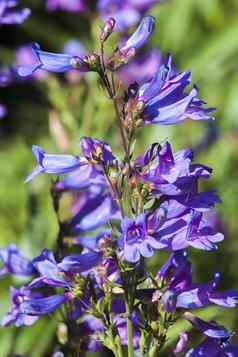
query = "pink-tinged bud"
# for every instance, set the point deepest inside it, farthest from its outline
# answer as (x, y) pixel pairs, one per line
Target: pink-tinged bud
(62, 333)
(181, 344)
(107, 29)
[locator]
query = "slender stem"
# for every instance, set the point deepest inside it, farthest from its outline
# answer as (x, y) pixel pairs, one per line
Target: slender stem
(111, 89)
(120, 122)
(114, 191)
(129, 332)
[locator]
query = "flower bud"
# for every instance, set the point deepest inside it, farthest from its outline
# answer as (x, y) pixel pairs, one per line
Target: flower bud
(140, 36)
(62, 333)
(107, 29)
(181, 344)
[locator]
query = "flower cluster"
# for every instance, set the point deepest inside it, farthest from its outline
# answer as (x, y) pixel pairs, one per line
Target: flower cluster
(124, 211)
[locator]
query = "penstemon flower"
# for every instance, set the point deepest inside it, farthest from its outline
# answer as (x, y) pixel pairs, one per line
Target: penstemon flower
(68, 5)
(10, 15)
(124, 211)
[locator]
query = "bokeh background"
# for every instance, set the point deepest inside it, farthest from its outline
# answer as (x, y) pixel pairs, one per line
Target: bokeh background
(54, 111)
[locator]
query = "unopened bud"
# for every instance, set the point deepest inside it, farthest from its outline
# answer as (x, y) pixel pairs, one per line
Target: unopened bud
(107, 29)
(182, 343)
(62, 333)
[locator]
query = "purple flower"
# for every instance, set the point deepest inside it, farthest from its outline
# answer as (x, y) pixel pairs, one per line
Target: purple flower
(13, 262)
(89, 329)
(210, 328)
(212, 348)
(25, 57)
(15, 314)
(49, 271)
(183, 293)
(78, 263)
(52, 62)
(177, 260)
(136, 239)
(217, 342)
(188, 230)
(96, 151)
(44, 305)
(140, 36)
(9, 15)
(67, 5)
(83, 178)
(61, 274)
(95, 207)
(54, 164)
(174, 174)
(165, 101)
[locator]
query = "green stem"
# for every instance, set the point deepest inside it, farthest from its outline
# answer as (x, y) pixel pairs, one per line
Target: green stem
(120, 124)
(129, 333)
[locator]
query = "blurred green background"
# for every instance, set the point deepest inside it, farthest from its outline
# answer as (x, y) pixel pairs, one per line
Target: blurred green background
(203, 37)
